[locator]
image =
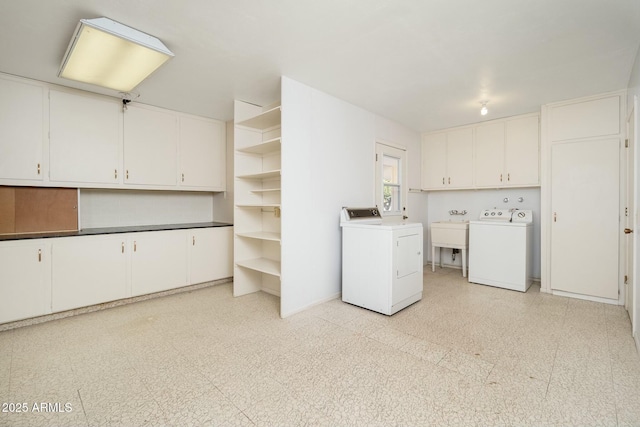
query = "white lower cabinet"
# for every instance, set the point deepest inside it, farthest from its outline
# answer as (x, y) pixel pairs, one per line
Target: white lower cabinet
(41, 276)
(24, 279)
(210, 254)
(158, 261)
(88, 270)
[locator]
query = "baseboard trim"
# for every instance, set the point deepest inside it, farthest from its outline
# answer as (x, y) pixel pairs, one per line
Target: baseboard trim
(313, 304)
(106, 305)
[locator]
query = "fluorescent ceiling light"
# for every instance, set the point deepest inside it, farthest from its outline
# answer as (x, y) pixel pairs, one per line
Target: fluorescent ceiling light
(108, 54)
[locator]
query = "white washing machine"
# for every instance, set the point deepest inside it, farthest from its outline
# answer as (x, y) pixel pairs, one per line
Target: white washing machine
(381, 262)
(500, 249)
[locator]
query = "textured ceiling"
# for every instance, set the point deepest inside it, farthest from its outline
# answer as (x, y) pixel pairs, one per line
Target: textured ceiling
(423, 63)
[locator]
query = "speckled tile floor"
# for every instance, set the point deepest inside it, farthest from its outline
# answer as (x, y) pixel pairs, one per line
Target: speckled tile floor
(466, 355)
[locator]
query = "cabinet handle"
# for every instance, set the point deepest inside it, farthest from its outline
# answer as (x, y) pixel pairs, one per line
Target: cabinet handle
(194, 241)
(122, 247)
(555, 217)
(38, 168)
(127, 173)
(39, 255)
(115, 173)
(182, 177)
(500, 177)
(443, 180)
(135, 246)
(508, 177)
(449, 180)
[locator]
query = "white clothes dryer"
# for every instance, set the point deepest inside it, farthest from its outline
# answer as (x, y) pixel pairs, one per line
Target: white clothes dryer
(381, 261)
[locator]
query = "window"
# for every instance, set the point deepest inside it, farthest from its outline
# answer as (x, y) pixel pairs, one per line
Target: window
(390, 180)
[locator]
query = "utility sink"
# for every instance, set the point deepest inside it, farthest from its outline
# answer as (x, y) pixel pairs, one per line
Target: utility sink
(450, 234)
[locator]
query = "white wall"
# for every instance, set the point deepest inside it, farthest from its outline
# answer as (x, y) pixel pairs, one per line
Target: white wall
(473, 201)
(633, 88)
(121, 208)
(395, 133)
(223, 202)
(328, 149)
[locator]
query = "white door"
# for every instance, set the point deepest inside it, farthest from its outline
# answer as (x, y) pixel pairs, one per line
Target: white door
(585, 197)
(391, 181)
(629, 218)
(633, 220)
(211, 254)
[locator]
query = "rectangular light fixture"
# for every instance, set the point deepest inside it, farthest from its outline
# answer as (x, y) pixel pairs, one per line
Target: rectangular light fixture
(108, 54)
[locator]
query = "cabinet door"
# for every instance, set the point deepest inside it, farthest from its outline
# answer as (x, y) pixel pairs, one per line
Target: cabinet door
(489, 162)
(211, 254)
(84, 142)
(460, 158)
(522, 151)
(88, 270)
(21, 130)
(158, 261)
(407, 256)
(150, 146)
(434, 161)
(202, 153)
(24, 288)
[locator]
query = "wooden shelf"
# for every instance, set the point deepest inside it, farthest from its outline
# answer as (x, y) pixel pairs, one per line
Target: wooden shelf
(263, 265)
(266, 120)
(261, 235)
(265, 147)
(258, 205)
(266, 190)
(261, 175)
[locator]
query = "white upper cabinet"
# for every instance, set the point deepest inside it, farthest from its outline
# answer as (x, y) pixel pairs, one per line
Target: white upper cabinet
(85, 138)
(447, 159)
(522, 151)
(489, 159)
(202, 153)
(499, 153)
(460, 158)
(434, 166)
(22, 130)
(150, 146)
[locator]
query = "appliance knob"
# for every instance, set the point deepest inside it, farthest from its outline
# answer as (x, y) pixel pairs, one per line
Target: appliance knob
(499, 213)
(493, 214)
(486, 214)
(375, 212)
(521, 214)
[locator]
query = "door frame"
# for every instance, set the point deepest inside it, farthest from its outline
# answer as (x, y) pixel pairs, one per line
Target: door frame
(545, 192)
(404, 183)
(631, 210)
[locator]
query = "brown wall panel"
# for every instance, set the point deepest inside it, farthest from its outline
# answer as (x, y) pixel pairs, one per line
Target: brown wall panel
(7, 210)
(46, 209)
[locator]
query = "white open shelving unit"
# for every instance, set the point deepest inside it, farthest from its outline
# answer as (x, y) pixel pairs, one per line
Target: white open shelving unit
(257, 160)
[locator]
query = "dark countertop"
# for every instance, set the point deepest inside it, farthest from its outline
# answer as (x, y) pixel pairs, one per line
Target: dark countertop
(112, 230)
